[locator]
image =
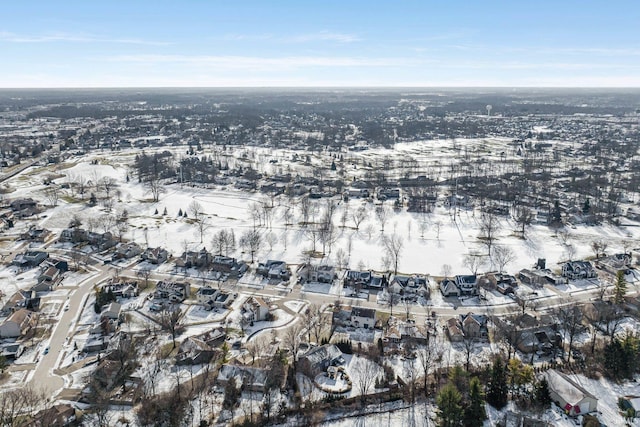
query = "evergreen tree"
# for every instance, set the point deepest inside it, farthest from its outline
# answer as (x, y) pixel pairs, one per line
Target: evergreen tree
(180, 212)
(497, 390)
(165, 211)
(474, 413)
(460, 379)
(586, 207)
(541, 395)
(557, 213)
(620, 288)
(449, 407)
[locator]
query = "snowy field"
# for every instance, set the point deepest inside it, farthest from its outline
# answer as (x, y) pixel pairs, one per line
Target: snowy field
(430, 241)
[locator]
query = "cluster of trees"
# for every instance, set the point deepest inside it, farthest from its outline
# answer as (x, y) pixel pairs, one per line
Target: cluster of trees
(461, 401)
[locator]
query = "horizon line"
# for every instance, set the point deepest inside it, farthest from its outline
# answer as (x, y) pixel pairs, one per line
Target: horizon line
(314, 87)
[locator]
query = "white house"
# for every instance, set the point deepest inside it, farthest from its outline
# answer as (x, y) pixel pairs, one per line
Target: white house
(112, 311)
(569, 395)
(363, 317)
(256, 309)
(18, 324)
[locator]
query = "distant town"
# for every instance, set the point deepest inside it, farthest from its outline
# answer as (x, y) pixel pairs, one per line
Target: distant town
(260, 257)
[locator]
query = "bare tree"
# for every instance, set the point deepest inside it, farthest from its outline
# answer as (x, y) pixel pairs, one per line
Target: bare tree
(446, 270)
(251, 241)
(155, 187)
(429, 358)
(570, 317)
(393, 247)
(305, 210)
(358, 216)
(195, 210)
(503, 255)
(523, 217)
(366, 373)
(18, 403)
(473, 261)
(292, 341)
(171, 321)
(382, 213)
(271, 239)
(52, 194)
(599, 247)
(489, 227)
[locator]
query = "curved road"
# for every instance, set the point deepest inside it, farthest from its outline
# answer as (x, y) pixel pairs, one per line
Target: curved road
(43, 376)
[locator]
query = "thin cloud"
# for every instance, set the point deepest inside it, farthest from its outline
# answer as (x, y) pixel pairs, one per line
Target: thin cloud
(321, 36)
(252, 62)
(64, 37)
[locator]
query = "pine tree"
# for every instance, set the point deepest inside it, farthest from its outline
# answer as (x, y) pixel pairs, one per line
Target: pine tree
(165, 211)
(541, 395)
(475, 413)
(497, 390)
(620, 288)
(587, 206)
(449, 407)
(180, 212)
(557, 213)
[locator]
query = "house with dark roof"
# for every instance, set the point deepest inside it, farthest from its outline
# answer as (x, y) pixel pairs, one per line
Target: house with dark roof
(194, 351)
(318, 359)
(228, 265)
(30, 259)
(449, 288)
(155, 255)
(578, 270)
(363, 317)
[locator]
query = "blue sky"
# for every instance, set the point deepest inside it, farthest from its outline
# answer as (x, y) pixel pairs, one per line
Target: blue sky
(319, 43)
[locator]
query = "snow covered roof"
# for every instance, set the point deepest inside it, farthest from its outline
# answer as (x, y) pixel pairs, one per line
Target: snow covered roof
(571, 392)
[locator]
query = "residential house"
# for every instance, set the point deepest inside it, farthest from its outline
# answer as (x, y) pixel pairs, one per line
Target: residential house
(318, 359)
(49, 278)
(18, 324)
(323, 274)
(449, 288)
(174, 291)
(11, 350)
(614, 263)
(35, 234)
(578, 270)
(30, 259)
(126, 251)
(102, 241)
(122, 289)
(221, 300)
(61, 415)
(358, 279)
(273, 269)
(155, 255)
(569, 395)
(206, 294)
(254, 379)
(214, 337)
(194, 351)
(23, 208)
(467, 284)
(111, 311)
(255, 309)
(474, 325)
(228, 265)
(363, 317)
(22, 299)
